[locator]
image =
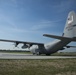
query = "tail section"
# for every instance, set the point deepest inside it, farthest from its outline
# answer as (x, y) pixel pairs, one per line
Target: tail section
(70, 27)
(69, 30)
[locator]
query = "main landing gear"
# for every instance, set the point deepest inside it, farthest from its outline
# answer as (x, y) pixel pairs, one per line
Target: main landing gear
(37, 53)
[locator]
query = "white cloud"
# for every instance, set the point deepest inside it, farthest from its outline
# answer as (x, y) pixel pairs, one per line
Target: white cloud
(45, 24)
(11, 27)
(7, 19)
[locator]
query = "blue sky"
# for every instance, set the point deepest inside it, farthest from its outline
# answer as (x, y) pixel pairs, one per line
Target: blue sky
(28, 20)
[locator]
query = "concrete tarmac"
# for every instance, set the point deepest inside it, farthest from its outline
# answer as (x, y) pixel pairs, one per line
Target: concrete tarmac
(29, 56)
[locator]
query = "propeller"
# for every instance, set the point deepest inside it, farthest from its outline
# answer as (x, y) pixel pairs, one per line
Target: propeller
(16, 44)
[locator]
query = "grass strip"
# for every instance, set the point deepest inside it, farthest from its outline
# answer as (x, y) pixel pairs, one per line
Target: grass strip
(38, 67)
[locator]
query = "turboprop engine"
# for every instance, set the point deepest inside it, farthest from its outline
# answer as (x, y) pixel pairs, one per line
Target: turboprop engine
(25, 46)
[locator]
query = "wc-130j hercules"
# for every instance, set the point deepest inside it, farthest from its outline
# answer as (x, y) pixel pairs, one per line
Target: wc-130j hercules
(68, 36)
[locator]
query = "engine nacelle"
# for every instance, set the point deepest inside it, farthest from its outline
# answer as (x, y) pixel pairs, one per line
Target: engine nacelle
(24, 46)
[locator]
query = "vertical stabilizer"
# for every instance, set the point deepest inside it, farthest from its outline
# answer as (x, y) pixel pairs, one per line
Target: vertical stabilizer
(70, 27)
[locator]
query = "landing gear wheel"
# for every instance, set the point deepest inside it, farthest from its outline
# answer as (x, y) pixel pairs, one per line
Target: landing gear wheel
(38, 53)
(34, 54)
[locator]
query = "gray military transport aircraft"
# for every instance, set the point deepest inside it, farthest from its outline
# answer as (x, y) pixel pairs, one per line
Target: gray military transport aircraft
(68, 36)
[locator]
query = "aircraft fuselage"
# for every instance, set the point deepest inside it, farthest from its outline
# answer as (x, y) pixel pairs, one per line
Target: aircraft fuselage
(49, 48)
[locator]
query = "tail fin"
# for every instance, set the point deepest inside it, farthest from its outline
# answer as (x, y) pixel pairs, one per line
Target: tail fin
(69, 30)
(70, 27)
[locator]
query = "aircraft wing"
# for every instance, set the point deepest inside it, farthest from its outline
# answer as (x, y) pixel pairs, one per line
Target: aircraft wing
(17, 42)
(57, 37)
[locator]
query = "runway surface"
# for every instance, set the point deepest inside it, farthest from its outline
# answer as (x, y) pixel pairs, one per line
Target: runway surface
(29, 56)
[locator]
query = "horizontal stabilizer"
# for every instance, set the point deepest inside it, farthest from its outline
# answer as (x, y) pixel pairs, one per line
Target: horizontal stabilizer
(57, 37)
(71, 46)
